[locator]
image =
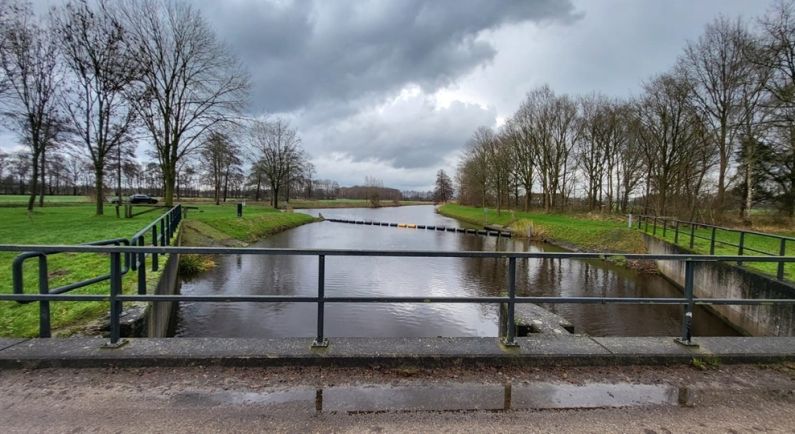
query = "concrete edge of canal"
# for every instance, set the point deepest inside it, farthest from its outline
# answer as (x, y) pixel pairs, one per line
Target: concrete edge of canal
(363, 352)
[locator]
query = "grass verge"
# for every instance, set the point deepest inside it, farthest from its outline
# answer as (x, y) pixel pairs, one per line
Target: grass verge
(219, 224)
(62, 225)
(584, 232)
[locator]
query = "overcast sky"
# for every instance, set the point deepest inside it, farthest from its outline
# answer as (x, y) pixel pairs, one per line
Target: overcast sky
(393, 89)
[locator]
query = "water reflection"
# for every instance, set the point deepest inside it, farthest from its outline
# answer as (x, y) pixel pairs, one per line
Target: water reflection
(424, 277)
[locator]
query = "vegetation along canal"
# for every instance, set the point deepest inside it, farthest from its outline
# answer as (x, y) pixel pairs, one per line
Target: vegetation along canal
(384, 276)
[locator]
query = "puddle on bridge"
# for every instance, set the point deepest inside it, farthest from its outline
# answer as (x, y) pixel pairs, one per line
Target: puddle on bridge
(447, 397)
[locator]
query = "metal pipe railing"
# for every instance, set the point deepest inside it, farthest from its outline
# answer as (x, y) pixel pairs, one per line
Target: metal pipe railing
(116, 298)
(714, 240)
(135, 261)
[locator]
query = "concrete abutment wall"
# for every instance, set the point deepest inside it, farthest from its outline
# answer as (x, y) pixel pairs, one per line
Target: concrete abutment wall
(724, 280)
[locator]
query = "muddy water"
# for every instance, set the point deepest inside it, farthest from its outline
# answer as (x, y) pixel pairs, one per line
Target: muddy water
(383, 276)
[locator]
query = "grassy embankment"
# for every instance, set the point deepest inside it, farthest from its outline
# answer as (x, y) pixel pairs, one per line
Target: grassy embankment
(62, 225)
(584, 232)
(701, 245)
(219, 224)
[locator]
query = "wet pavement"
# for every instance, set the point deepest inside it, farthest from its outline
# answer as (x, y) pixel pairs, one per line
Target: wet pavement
(373, 398)
(516, 399)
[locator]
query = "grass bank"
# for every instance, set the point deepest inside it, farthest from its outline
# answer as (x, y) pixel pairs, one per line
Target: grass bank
(219, 224)
(61, 225)
(726, 243)
(584, 232)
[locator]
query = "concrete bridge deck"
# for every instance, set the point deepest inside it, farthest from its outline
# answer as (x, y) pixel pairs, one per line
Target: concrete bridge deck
(572, 350)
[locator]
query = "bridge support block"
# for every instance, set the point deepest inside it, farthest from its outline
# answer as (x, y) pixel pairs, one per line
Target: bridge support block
(687, 343)
(113, 345)
(510, 344)
(320, 344)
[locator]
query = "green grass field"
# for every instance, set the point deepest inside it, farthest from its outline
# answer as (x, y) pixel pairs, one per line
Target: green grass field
(61, 225)
(22, 200)
(726, 243)
(219, 223)
(588, 233)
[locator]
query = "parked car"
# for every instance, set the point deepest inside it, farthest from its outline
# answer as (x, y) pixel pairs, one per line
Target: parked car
(137, 198)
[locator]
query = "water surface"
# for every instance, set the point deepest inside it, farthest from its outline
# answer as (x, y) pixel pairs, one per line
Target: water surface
(423, 277)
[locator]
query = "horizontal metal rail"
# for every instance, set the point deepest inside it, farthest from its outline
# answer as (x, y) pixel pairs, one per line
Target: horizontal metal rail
(390, 253)
(115, 297)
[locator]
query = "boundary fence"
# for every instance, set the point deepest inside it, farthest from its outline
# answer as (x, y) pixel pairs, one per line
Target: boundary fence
(689, 232)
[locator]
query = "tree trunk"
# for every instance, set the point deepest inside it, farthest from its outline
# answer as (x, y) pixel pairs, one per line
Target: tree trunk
(226, 185)
(275, 196)
(259, 188)
(43, 178)
(34, 181)
(99, 178)
(169, 180)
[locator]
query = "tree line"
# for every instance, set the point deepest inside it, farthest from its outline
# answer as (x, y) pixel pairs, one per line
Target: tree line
(715, 133)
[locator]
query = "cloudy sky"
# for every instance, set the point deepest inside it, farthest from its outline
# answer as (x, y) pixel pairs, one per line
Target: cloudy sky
(393, 89)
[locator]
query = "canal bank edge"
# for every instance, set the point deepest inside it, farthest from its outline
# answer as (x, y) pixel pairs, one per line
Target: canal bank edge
(602, 237)
(210, 232)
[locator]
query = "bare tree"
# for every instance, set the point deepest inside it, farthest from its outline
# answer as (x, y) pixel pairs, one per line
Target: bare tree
(192, 82)
(717, 67)
(673, 139)
(777, 55)
(101, 73)
(444, 187)
(29, 63)
(279, 152)
(220, 158)
(373, 187)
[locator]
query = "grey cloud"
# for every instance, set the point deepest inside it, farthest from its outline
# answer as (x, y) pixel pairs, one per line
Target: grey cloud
(408, 134)
(301, 53)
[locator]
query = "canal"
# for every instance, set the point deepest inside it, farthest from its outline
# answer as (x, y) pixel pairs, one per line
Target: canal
(385, 276)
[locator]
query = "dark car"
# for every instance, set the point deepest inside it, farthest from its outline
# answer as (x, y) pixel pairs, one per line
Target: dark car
(138, 198)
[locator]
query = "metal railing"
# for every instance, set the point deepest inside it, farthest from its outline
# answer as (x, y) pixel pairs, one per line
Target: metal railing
(162, 229)
(116, 298)
(688, 230)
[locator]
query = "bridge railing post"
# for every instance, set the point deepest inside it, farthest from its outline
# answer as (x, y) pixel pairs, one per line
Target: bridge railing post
(320, 340)
(712, 241)
(741, 246)
(115, 304)
(687, 319)
(782, 251)
(141, 268)
(510, 333)
(44, 305)
(155, 259)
